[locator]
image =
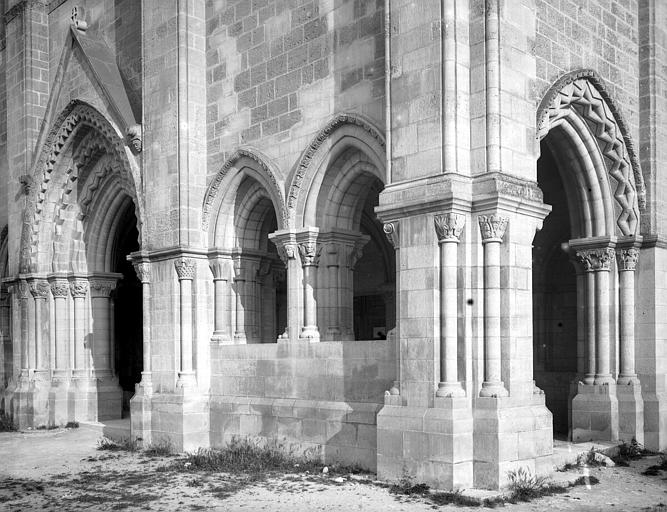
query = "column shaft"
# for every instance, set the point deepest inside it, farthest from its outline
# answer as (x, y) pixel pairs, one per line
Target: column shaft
(185, 269)
(590, 329)
(627, 261)
(603, 373)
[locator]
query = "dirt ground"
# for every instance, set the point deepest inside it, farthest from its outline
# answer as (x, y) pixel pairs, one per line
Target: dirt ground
(61, 470)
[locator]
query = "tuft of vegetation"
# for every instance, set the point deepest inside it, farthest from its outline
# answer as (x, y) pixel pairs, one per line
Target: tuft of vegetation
(655, 469)
(127, 445)
(585, 480)
(6, 424)
(405, 487)
(72, 424)
(628, 452)
(162, 448)
(249, 456)
(524, 486)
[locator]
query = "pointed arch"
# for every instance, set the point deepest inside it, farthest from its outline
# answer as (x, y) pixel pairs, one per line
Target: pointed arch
(344, 131)
(245, 161)
(579, 104)
(69, 126)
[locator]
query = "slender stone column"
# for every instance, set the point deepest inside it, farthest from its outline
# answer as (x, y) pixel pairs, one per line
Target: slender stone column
(448, 228)
(100, 298)
(599, 260)
(185, 269)
(240, 274)
(390, 230)
(145, 274)
(39, 289)
(627, 262)
(79, 289)
(24, 307)
(60, 292)
(589, 308)
(220, 268)
(310, 255)
(493, 229)
(333, 266)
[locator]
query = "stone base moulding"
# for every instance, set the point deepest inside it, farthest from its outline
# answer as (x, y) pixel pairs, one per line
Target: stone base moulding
(432, 445)
(595, 413)
(181, 419)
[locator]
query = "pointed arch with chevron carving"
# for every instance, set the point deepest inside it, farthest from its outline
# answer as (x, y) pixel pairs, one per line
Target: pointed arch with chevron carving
(101, 138)
(582, 93)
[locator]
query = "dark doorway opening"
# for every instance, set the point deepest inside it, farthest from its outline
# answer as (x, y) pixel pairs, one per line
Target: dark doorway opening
(554, 298)
(128, 315)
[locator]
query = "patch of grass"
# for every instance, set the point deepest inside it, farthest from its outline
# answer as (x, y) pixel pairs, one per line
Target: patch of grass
(162, 448)
(72, 424)
(655, 469)
(523, 486)
(248, 456)
(6, 424)
(585, 480)
(124, 444)
(628, 452)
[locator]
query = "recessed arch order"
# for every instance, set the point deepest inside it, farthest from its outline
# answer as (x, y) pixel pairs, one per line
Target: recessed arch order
(596, 153)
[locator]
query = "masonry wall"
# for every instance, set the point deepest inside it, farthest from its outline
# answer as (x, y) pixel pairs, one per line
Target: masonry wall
(319, 397)
(597, 34)
(278, 70)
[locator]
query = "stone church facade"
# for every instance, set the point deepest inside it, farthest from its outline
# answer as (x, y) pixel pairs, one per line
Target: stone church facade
(425, 237)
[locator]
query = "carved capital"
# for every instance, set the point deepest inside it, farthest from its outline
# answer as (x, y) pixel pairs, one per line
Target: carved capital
(286, 252)
(310, 253)
(391, 232)
(23, 290)
(185, 268)
(449, 226)
(492, 227)
(143, 271)
(627, 258)
(596, 259)
(220, 268)
(39, 288)
(78, 288)
(101, 288)
(59, 288)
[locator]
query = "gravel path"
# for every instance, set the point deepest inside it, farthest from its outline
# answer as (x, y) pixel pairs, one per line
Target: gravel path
(61, 470)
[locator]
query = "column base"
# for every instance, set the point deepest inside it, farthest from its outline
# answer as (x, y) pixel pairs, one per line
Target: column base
(493, 390)
(510, 433)
(429, 445)
(240, 339)
(310, 333)
(181, 419)
(630, 412)
(595, 413)
(450, 390)
(221, 338)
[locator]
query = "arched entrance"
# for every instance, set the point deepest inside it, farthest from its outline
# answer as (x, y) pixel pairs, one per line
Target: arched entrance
(584, 261)
(78, 232)
(245, 206)
(331, 202)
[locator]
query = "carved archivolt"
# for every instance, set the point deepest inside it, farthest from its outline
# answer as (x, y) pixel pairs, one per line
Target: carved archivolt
(583, 92)
(76, 114)
(312, 149)
(230, 163)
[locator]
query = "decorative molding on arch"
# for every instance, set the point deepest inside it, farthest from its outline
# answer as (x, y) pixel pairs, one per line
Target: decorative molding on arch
(555, 101)
(214, 187)
(76, 114)
(307, 156)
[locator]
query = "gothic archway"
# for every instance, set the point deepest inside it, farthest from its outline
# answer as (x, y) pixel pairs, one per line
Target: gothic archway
(243, 204)
(589, 175)
(334, 190)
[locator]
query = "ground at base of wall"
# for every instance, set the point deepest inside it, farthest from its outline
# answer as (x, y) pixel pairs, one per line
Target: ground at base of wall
(64, 470)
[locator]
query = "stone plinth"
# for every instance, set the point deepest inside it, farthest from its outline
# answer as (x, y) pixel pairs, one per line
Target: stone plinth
(180, 418)
(630, 412)
(510, 433)
(432, 445)
(595, 413)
